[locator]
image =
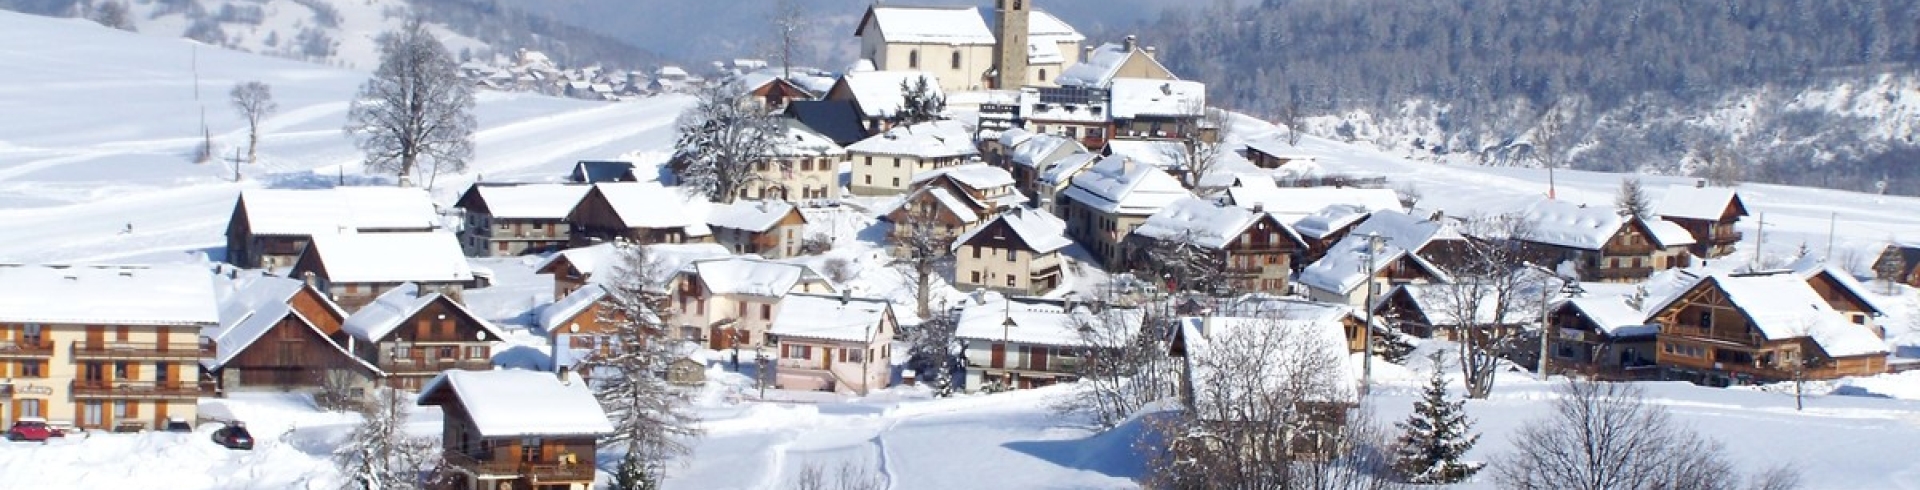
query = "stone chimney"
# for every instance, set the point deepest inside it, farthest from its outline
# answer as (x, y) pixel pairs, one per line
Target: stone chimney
(1087, 54)
(1133, 42)
(419, 289)
(1153, 53)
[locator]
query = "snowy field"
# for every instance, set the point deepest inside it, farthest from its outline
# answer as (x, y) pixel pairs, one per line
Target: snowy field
(102, 129)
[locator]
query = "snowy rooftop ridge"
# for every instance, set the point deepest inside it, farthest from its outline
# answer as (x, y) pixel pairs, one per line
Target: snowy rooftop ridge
(389, 310)
(108, 295)
(1299, 202)
(651, 205)
(878, 93)
(529, 201)
(1570, 225)
(1613, 315)
(1205, 223)
(1099, 69)
(516, 403)
(1038, 321)
(929, 25)
(301, 212)
(1701, 203)
(976, 175)
(256, 305)
(1041, 230)
(567, 307)
(1784, 306)
(392, 257)
(933, 139)
(1118, 185)
(755, 216)
(1033, 150)
(1138, 97)
(830, 317)
(755, 276)
(1332, 218)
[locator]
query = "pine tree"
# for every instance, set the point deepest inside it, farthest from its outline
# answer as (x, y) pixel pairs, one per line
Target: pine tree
(1436, 435)
(651, 420)
(920, 102)
(935, 352)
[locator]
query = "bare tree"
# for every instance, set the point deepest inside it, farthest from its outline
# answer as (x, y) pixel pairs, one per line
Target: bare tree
(791, 26)
(1605, 436)
(1122, 365)
(114, 14)
(721, 139)
(922, 251)
(254, 101)
(1290, 117)
(936, 351)
(378, 454)
(651, 420)
(849, 476)
(337, 389)
(1184, 263)
(1632, 199)
(416, 111)
(1548, 142)
(1268, 406)
(1409, 194)
(1201, 154)
(1485, 295)
(1722, 165)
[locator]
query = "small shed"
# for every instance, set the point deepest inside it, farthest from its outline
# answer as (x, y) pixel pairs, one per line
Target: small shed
(686, 371)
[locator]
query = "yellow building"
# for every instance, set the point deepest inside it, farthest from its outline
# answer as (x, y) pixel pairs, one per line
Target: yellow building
(104, 347)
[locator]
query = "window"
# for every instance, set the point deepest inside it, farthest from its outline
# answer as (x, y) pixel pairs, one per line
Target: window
(796, 351)
(1010, 280)
(160, 371)
(869, 160)
(119, 410)
(896, 180)
(976, 277)
(1706, 318)
(449, 352)
(853, 355)
(95, 373)
(896, 163)
(913, 59)
(956, 61)
(976, 251)
(403, 352)
(1013, 255)
(1043, 74)
(869, 179)
(120, 370)
(92, 414)
(30, 334)
(476, 352)
(31, 407)
(32, 369)
(530, 449)
(766, 312)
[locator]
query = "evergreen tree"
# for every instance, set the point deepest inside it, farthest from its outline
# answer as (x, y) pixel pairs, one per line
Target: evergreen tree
(1632, 199)
(1436, 435)
(920, 102)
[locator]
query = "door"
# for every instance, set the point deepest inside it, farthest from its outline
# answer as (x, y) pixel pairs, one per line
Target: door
(1038, 358)
(999, 356)
(161, 339)
(96, 335)
(826, 358)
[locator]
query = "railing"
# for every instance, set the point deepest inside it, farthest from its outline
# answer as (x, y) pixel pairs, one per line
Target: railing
(1724, 238)
(140, 350)
(40, 348)
(541, 472)
(1629, 250)
(1623, 272)
(1699, 331)
(105, 389)
(416, 365)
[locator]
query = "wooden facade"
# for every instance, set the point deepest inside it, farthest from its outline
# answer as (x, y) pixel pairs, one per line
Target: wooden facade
(1630, 255)
(1716, 237)
(486, 235)
(436, 337)
(1706, 338)
(1257, 260)
(1582, 344)
(999, 259)
(782, 240)
(312, 268)
(508, 463)
(594, 220)
(297, 353)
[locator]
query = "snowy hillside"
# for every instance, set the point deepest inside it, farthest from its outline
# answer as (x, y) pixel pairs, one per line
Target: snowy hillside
(104, 123)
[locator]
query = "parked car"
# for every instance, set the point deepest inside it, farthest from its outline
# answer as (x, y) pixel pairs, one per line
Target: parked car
(233, 436)
(176, 424)
(29, 429)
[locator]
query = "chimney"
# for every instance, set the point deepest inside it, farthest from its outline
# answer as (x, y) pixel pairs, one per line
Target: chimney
(1700, 184)
(419, 289)
(562, 374)
(1132, 43)
(1153, 53)
(310, 279)
(1087, 54)
(845, 295)
(1259, 207)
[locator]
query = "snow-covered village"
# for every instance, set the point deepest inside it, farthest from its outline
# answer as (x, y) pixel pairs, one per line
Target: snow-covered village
(977, 247)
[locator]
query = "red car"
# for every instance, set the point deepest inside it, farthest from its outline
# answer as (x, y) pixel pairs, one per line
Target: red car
(30, 429)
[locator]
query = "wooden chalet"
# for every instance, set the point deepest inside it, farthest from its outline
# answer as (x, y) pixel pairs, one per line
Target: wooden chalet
(834, 342)
(1746, 329)
(1425, 311)
(576, 267)
(1326, 227)
(1408, 252)
(1899, 263)
(1273, 153)
(517, 219)
(773, 93)
(1016, 252)
(728, 302)
(596, 171)
(355, 268)
(1219, 373)
(270, 227)
(772, 229)
(1606, 246)
(1603, 337)
(579, 326)
(1024, 342)
(1707, 213)
(413, 334)
(1253, 249)
(639, 212)
(514, 429)
(277, 335)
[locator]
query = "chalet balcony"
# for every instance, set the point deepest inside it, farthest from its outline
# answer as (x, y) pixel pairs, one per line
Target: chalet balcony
(416, 365)
(1642, 249)
(141, 351)
(1616, 273)
(140, 390)
(13, 349)
(539, 472)
(1724, 238)
(1704, 333)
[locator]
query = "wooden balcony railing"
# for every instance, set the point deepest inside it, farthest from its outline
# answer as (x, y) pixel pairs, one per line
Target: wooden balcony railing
(1699, 331)
(18, 349)
(1606, 273)
(539, 472)
(1726, 238)
(141, 350)
(419, 365)
(141, 390)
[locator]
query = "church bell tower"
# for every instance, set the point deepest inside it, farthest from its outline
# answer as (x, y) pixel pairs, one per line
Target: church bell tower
(1010, 48)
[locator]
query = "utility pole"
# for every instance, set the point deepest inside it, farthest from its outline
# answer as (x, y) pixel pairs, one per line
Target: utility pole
(1833, 221)
(1759, 241)
(1374, 244)
(236, 163)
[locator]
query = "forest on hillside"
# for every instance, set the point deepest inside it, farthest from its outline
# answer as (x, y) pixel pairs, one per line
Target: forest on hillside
(1640, 84)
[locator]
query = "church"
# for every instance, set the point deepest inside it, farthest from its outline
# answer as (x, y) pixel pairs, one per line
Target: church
(1025, 47)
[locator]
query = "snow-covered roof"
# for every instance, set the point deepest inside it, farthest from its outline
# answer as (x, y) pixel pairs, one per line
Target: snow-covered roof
(1100, 67)
(1784, 306)
(389, 310)
(1332, 218)
(1276, 145)
(974, 175)
(1406, 231)
(108, 295)
(1119, 186)
(954, 205)
(1809, 266)
(1667, 233)
(1135, 97)
(1571, 225)
(1269, 306)
(1038, 321)
(515, 403)
(1036, 150)
(1061, 172)
(1166, 154)
(567, 307)
(1613, 315)
(933, 139)
(755, 276)
(1431, 300)
(930, 25)
(1014, 137)
(755, 216)
(252, 307)
(392, 257)
(1205, 223)
(1299, 202)
(1045, 26)
(878, 92)
(829, 317)
(803, 141)
(1689, 202)
(1274, 342)
(1041, 230)
(654, 206)
(300, 212)
(530, 201)
(1344, 266)
(1065, 105)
